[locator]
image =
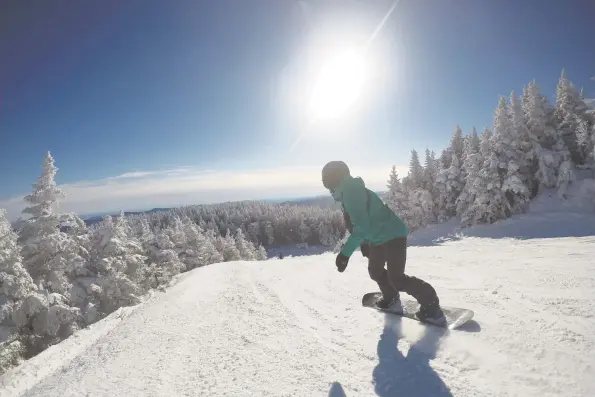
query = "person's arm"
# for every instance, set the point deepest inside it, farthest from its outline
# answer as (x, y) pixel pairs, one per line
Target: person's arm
(355, 201)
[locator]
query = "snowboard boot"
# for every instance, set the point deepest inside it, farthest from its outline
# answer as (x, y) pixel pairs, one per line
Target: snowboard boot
(392, 305)
(431, 314)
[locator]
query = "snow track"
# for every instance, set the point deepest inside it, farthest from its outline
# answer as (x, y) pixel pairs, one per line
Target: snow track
(295, 327)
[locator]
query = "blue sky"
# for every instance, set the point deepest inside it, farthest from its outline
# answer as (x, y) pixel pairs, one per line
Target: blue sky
(152, 103)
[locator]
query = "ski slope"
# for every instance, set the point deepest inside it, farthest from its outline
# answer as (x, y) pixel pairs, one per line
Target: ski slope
(295, 327)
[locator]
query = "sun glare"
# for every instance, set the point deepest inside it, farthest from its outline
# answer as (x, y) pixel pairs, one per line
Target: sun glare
(338, 84)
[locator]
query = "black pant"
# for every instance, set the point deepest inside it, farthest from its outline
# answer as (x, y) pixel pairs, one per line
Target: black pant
(393, 279)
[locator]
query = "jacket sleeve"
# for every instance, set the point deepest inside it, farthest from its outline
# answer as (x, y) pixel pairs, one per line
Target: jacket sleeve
(355, 201)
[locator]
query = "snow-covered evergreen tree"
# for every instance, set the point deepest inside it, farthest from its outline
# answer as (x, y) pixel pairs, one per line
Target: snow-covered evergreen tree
(472, 165)
(227, 247)
(524, 148)
(199, 250)
(15, 282)
(397, 199)
(430, 175)
(119, 262)
(507, 150)
(586, 140)
(245, 247)
(487, 200)
(261, 253)
(471, 144)
(303, 232)
(51, 256)
(570, 109)
(420, 209)
(269, 232)
(548, 146)
(449, 186)
(415, 178)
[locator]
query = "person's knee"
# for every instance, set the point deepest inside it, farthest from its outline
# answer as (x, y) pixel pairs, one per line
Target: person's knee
(398, 281)
(376, 271)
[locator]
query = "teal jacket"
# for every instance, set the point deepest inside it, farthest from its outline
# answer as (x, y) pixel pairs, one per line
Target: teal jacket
(373, 221)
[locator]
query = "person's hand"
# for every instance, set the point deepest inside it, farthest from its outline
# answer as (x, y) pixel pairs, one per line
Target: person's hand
(341, 262)
(365, 249)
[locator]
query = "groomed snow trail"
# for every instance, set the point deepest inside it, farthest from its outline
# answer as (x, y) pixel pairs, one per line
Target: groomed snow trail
(295, 327)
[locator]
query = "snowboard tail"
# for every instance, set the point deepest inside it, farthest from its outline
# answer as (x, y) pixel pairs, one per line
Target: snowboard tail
(455, 316)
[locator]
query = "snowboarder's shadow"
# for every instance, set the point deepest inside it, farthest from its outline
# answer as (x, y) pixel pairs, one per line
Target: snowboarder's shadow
(411, 375)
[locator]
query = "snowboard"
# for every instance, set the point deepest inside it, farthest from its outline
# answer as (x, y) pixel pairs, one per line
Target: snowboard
(455, 316)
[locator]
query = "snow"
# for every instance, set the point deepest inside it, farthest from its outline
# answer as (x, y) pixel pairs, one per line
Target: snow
(295, 327)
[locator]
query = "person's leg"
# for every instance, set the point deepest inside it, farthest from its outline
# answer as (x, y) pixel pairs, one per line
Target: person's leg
(396, 257)
(376, 262)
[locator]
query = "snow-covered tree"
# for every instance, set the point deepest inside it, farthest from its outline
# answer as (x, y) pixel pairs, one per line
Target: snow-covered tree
(261, 253)
(415, 178)
(430, 173)
(420, 210)
(227, 247)
(269, 232)
(566, 176)
(303, 232)
(253, 232)
(548, 147)
(51, 256)
(397, 198)
(570, 109)
(586, 139)
(199, 250)
(472, 165)
(508, 154)
(449, 186)
(471, 144)
(245, 248)
(15, 282)
(118, 259)
(487, 202)
(324, 234)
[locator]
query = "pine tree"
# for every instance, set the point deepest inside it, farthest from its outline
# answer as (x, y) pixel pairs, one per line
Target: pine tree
(15, 282)
(227, 247)
(472, 164)
(457, 143)
(397, 198)
(430, 172)
(269, 232)
(415, 178)
(585, 139)
(244, 247)
(51, 256)
(449, 186)
(548, 147)
(119, 262)
(570, 109)
(508, 153)
(487, 200)
(472, 144)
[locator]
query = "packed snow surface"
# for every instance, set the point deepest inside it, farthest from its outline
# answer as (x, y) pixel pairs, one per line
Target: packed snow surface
(295, 327)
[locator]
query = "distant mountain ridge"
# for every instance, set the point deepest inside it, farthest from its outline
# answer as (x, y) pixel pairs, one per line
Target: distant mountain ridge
(315, 201)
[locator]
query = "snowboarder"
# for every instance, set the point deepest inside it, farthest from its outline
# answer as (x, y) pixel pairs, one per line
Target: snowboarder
(382, 238)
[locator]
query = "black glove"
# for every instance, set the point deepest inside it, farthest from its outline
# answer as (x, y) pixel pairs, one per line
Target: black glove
(365, 248)
(341, 262)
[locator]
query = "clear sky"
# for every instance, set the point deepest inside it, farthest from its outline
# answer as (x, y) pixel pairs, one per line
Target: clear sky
(156, 103)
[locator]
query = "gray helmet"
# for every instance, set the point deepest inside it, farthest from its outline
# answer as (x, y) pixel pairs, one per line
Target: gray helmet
(333, 173)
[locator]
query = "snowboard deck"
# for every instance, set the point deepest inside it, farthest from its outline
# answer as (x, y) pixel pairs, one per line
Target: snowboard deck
(455, 316)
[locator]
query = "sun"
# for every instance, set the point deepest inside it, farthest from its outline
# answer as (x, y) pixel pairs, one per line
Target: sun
(338, 84)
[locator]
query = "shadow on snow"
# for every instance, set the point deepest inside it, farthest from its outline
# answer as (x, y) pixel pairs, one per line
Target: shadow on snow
(336, 390)
(408, 375)
(520, 227)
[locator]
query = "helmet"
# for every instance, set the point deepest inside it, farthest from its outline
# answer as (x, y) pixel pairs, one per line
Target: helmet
(333, 173)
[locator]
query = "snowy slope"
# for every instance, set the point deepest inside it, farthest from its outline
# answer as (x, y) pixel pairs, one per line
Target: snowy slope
(295, 327)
